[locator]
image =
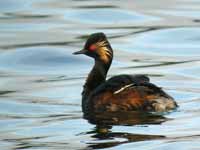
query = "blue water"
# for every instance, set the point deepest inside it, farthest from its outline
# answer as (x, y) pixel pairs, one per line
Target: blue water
(41, 81)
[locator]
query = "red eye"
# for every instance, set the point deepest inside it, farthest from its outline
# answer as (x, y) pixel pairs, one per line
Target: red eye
(92, 48)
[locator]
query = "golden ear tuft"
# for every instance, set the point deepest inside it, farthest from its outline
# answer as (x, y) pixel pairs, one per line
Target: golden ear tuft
(101, 43)
(104, 52)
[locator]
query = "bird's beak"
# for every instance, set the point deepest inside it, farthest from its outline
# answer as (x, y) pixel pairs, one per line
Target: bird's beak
(83, 51)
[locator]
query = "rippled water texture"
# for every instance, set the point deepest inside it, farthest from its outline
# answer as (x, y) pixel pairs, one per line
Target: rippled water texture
(41, 81)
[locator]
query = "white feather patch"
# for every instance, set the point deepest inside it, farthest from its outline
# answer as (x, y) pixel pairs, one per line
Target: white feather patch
(123, 88)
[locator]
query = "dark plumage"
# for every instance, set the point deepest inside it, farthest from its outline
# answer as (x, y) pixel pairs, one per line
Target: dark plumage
(119, 93)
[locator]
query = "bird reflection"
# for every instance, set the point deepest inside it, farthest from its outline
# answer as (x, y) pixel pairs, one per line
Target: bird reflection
(104, 138)
(125, 118)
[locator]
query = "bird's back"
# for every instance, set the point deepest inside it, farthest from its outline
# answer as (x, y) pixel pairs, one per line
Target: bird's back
(129, 93)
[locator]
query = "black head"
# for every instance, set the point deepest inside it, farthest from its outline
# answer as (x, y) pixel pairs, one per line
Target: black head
(97, 47)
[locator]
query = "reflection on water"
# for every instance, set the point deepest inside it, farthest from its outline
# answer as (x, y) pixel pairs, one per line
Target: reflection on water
(111, 139)
(41, 81)
(121, 118)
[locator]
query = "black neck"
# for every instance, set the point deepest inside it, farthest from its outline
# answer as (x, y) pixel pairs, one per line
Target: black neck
(97, 76)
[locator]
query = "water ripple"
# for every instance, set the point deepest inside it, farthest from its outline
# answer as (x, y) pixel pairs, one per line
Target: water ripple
(41, 81)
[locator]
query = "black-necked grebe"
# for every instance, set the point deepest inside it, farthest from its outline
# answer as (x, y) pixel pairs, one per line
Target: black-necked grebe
(122, 92)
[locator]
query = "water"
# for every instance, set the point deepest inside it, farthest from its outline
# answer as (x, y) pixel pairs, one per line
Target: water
(41, 81)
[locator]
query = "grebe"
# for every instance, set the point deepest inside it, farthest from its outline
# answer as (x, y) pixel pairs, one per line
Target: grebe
(120, 93)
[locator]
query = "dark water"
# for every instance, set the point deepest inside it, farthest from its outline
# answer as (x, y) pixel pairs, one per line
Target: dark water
(41, 81)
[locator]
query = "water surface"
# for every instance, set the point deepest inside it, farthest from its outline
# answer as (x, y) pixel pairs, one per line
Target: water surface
(41, 81)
